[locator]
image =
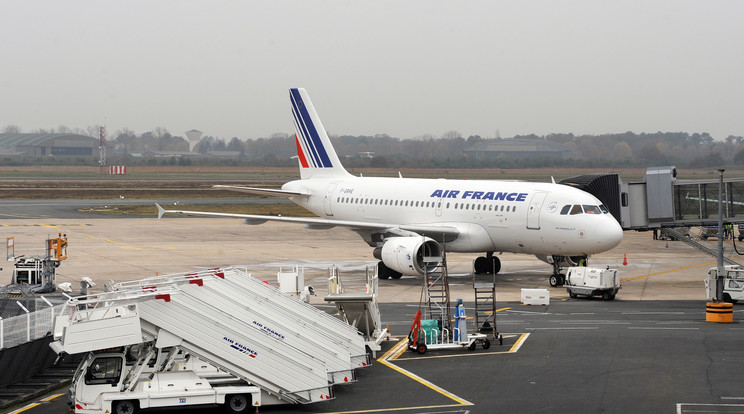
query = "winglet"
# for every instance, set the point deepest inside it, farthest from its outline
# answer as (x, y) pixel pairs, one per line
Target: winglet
(161, 211)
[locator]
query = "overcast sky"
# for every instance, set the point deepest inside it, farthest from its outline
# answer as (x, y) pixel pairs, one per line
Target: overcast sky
(405, 68)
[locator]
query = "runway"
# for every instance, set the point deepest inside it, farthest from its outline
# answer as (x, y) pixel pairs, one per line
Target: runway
(650, 350)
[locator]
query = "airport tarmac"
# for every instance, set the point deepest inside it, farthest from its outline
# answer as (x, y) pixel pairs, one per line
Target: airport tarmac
(650, 350)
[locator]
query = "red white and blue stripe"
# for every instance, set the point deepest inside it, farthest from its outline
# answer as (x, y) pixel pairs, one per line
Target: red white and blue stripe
(310, 146)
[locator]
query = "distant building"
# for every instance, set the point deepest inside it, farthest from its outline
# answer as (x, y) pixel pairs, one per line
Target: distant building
(41, 145)
(519, 149)
(170, 154)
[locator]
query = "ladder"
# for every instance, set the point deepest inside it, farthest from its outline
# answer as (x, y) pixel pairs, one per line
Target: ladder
(437, 290)
(485, 304)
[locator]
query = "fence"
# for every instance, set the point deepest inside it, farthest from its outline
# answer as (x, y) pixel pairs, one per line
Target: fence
(31, 326)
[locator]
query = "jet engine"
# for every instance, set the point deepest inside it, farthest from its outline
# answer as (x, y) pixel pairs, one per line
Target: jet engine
(406, 254)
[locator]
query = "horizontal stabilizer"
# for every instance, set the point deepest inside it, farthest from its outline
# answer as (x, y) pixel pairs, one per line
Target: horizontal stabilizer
(262, 191)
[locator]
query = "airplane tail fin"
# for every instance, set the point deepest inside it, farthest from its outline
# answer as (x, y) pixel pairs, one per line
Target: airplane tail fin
(315, 154)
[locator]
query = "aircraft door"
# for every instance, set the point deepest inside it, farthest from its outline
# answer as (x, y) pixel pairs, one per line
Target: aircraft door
(329, 198)
(533, 211)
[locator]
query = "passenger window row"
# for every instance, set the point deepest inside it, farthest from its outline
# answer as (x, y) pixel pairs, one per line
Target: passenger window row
(437, 204)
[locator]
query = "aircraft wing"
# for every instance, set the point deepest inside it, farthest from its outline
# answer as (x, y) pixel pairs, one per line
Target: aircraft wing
(430, 230)
(262, 191)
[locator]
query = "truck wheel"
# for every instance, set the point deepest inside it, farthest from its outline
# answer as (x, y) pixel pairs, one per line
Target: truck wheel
(606, 295)
(125, 407)
(237, 403)
(727, 298)
(573, 295)
(486, 344)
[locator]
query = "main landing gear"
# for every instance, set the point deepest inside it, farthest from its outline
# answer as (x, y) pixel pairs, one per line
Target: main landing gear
(384, 272)
(488, 264)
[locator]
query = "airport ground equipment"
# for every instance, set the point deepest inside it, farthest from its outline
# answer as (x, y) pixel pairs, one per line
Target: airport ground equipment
(291, 281)
(436, 287)
(484, 287)
(359, 310)
(35, 274)
(592, 281)
(426, 335)
(213, 316)
(733, 283)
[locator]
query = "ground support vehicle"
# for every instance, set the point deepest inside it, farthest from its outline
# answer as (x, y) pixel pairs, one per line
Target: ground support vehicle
(360, 310)
(733, 283)
(426, 335)
(592, 281)
(233, 349)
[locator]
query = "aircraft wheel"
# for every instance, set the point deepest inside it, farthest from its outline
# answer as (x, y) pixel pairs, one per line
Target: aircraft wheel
(486, 344)
(495, 265)
(383, 272)
(481, 265)
(562, 279)
(554, 280)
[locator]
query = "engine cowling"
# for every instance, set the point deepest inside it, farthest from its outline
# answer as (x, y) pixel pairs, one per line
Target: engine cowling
(406, 254)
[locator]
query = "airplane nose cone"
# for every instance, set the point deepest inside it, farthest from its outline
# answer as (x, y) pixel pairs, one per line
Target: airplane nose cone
(610, 233)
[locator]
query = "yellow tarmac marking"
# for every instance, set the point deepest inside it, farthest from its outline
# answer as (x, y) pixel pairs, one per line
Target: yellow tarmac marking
(111, 241)
(30, 406)
(665, 271)
(51, 397)
(400, 348)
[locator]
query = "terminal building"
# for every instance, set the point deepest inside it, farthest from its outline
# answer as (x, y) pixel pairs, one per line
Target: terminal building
(42, 145)
(518, 148)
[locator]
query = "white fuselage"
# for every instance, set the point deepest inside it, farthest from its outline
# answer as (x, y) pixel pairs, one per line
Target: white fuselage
(490, 215)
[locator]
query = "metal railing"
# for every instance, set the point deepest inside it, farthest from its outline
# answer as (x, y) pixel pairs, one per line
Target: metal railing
(20, 329)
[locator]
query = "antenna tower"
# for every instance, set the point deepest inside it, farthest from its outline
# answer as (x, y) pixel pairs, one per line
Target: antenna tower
(101, 148)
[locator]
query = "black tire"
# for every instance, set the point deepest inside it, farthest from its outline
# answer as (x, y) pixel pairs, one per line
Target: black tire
(727, 298)
(572, 295)
(495, 265)
(562, 279)
(471, 347)
(125, 407)
(382, 271)
(486, 344)
(554, 280)
(501, 340)
(421, 348)
(238, 403)
(612, 296)
(481, 265)
(606, 295)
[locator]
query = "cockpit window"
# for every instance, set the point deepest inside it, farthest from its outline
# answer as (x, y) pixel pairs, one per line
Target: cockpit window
(603, 208)
(576, 209)
(592, 209)
(565, 209)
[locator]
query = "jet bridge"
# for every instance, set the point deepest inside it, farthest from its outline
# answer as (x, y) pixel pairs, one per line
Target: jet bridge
(662, 201)
(226, 318)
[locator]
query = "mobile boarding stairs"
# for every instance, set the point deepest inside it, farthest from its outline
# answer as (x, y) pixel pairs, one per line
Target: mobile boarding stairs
(290, 350)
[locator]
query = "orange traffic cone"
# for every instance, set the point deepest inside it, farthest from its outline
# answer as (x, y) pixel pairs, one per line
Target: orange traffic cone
(625, 259)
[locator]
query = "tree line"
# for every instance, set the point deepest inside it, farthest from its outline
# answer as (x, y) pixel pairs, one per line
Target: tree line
(628, 149)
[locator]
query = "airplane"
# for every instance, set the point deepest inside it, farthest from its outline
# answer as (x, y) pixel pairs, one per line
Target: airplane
(407, 220)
